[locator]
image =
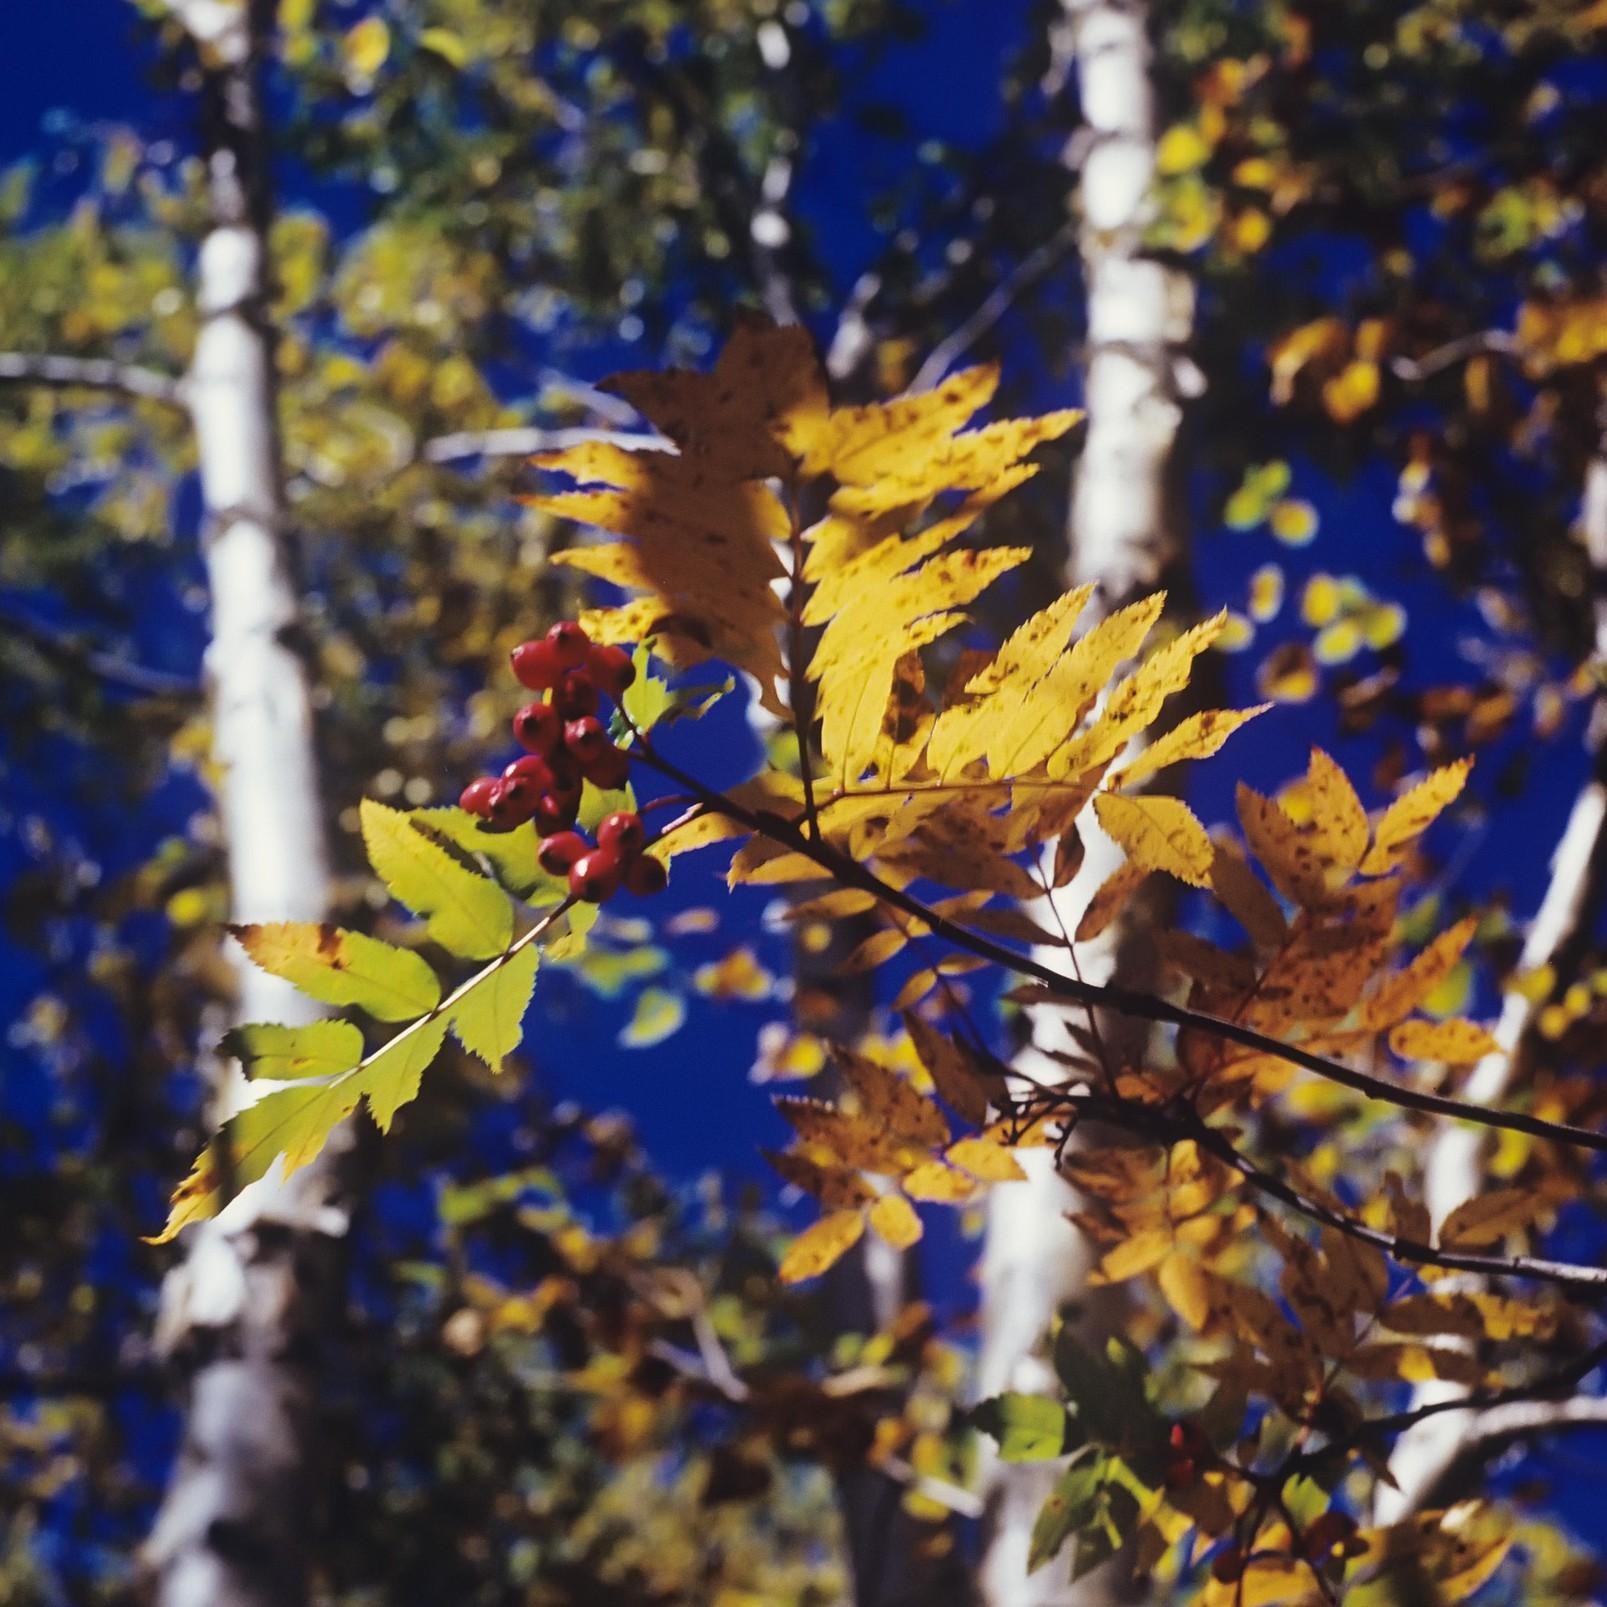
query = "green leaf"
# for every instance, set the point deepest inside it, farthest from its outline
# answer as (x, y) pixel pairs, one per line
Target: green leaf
(510, 854)
(595, 803)
(391, 1076)
(1069, 1507)
(1029, 1428)
(468, 915)
(648, 697)
(488, 1011)
(282, 1054)
(335, 966)
(1106, 1392)
(468, 1203)
(658, 1015)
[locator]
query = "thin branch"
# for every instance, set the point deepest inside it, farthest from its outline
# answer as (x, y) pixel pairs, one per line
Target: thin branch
(92, 374)
(526, 442)
(1414, 370)
(70, 649)
(993, 307)
(797, 687)
(1124, 1001)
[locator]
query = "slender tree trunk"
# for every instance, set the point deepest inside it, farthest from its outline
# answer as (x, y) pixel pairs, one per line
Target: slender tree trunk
(1454, 1170)
(1122, 535)
(240, 1314)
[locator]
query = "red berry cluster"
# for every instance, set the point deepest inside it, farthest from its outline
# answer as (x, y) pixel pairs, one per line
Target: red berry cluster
(565, 743)
(1189, 1449)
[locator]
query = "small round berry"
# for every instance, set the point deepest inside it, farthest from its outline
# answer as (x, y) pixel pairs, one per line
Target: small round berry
(536, 665)
(575, 695)
(569, 643)
(586, 738)
(610, 770)
(554, 812)
(595, 875)
(622, 831)
(512, 804)
(476, 797)
(559, 852)
(538, 728)
(645, 876)
(611, 669)
(534, 769)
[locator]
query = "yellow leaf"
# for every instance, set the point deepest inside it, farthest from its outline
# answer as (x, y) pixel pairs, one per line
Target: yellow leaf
(1197, 737)
(1247, 900)
(1398, 995)
(1030, 729)
(1159, 834)
(982, 1158)
(818, 1246)
(1267, 1582)
(1338, 828)
(447, 45)
(932, 1180)
(892, 1102)
(953, 1071)
(762, 408)
(1293, 522)
(1489, 1218)
(1411, 814)
(1135, 1254)
(1287, 853)
(877, 949)
(894, 1220)
(1456, 1042)
(835, 1187)
(834, 1137)
(366, 47)
(1111, 898)
(1187, 1292)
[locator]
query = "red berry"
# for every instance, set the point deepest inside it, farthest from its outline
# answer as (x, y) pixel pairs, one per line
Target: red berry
(586, 739)
(537, 728)
(611, 669)
(536, 665)
(512, 804)
(569, 643)
(610, 770)
(623, 832)
(558, 853)
(476, 797)
(595, 875)
(555, 811)
(536, 770)
(575, 695)
(645, 876)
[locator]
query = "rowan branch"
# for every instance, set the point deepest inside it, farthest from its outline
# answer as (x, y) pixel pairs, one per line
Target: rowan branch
(1123, 1001)
(56, 372)
(72, 652)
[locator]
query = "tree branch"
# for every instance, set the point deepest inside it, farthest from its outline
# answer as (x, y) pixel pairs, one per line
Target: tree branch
(1124, 1001)
(1414, 370)
(92, 374)
(993, 307)
(527, 441)
(69, 649)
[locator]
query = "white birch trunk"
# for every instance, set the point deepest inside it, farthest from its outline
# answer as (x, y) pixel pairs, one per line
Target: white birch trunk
(237, 1315)
(1122, 536)
(1454, 1170)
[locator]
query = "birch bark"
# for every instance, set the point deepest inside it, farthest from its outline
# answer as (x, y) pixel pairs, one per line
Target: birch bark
(1454, 1169)
(240, 1315)
(1122, 536)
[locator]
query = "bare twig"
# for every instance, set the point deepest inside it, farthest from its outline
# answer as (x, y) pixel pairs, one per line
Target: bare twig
(92, 374)
(1414, 370)
(527, 441)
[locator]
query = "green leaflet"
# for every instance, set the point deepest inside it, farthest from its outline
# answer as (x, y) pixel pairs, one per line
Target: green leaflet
(282, 1054)
(510, 854)
(335, 966)
(488, 1012)
(1029, 1428)
(467, 913)
(391, 1075)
